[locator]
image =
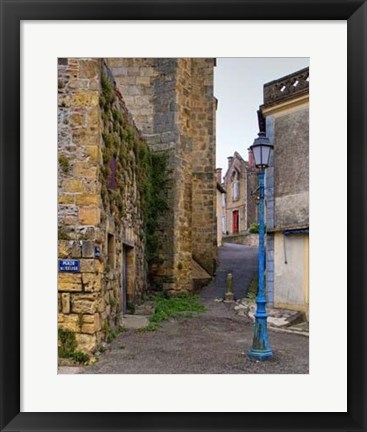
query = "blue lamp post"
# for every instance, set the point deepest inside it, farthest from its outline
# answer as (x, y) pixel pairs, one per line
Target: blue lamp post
(260, 350)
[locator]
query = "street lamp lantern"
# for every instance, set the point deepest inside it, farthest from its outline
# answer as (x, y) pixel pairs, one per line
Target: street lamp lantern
(261, 149)
(260, 349)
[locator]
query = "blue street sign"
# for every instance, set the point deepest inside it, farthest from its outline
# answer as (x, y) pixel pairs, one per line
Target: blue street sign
(72, 266)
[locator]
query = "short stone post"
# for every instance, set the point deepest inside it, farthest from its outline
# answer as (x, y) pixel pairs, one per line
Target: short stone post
(229, 291)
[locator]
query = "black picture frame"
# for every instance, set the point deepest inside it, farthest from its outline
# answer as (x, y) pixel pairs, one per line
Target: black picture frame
(12, 12)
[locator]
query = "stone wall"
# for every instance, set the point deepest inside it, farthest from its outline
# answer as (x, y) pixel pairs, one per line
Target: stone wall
(291, 161)
(202, 131)
(242, 238)
(172, 103)
(100, 203)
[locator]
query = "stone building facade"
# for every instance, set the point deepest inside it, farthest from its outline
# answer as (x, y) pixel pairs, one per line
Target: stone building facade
(172, 103)
(99, 215)
(285, 118)
(114, 115)
(239, 182)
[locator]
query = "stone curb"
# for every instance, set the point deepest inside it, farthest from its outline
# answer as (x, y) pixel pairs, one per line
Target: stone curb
(248, 311)
(288, 330)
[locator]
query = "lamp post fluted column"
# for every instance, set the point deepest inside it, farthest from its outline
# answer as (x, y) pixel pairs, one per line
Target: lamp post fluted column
(260, 349)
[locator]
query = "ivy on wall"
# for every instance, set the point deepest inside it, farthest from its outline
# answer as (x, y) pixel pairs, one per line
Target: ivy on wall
(127, 157)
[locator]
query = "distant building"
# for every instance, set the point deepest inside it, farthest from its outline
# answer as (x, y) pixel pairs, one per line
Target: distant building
(239, 183)
(221, 199)
(285, 118)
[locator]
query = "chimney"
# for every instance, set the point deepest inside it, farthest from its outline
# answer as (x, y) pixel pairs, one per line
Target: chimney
(230, 160)
(218, 175)
(250, 158)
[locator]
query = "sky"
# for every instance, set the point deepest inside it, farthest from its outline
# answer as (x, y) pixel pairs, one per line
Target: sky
(238, 86)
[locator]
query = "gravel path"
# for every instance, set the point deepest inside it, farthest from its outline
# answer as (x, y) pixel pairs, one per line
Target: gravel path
(214, 342)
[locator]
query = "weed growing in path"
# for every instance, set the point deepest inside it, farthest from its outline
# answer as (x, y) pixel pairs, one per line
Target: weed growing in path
(252, 290)
(172, 307)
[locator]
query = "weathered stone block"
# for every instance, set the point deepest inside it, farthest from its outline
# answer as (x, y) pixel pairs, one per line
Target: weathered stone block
(83, 304)
(69, 249)
(85, 170)
(99, 266)
(64, 248)
(65, 303)
(101, 305)
(87, 266)
(64, 101)
(66, 198)
(69, 282)
(91, 282)
(85, 137)
(86, 343)
(91, 323)
(72, 185)
(93, 117)
(143, 80)
(78, 84)
(76, 250)
(88, 249)
(86, 233)
(88, 68)
(89, 216)
(87, 199)
(85, 98)
(69, 322)
(76, 120)
(93, 152)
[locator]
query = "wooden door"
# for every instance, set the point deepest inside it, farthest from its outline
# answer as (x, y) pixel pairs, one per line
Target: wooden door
(235, 221)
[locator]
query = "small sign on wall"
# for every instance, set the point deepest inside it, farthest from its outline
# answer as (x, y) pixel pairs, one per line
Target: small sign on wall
(72, 266)
(97, 251)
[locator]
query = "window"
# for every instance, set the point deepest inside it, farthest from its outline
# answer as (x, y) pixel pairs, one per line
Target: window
(235, 190)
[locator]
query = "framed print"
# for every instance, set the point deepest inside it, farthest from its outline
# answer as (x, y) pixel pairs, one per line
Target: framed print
(35, 37)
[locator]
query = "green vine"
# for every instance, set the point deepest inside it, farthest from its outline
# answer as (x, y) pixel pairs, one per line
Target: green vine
(135, 160)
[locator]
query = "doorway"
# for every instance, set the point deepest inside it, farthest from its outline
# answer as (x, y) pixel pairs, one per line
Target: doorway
(235, 223)
(128, 275)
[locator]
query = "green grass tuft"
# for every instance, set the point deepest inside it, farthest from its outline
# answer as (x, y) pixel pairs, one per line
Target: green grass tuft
(173, 307)
(67, 345)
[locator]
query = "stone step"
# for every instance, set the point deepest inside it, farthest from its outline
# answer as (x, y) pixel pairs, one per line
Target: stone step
(134, 322)
(281, 318)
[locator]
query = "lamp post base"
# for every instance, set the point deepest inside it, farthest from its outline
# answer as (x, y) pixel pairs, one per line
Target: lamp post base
(260, 346)
(259, 355)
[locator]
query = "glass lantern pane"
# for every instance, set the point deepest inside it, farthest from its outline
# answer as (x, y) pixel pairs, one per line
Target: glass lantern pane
(257, 154)
(266, 155)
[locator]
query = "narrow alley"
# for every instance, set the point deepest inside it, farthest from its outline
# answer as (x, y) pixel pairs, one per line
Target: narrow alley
(239, 260)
